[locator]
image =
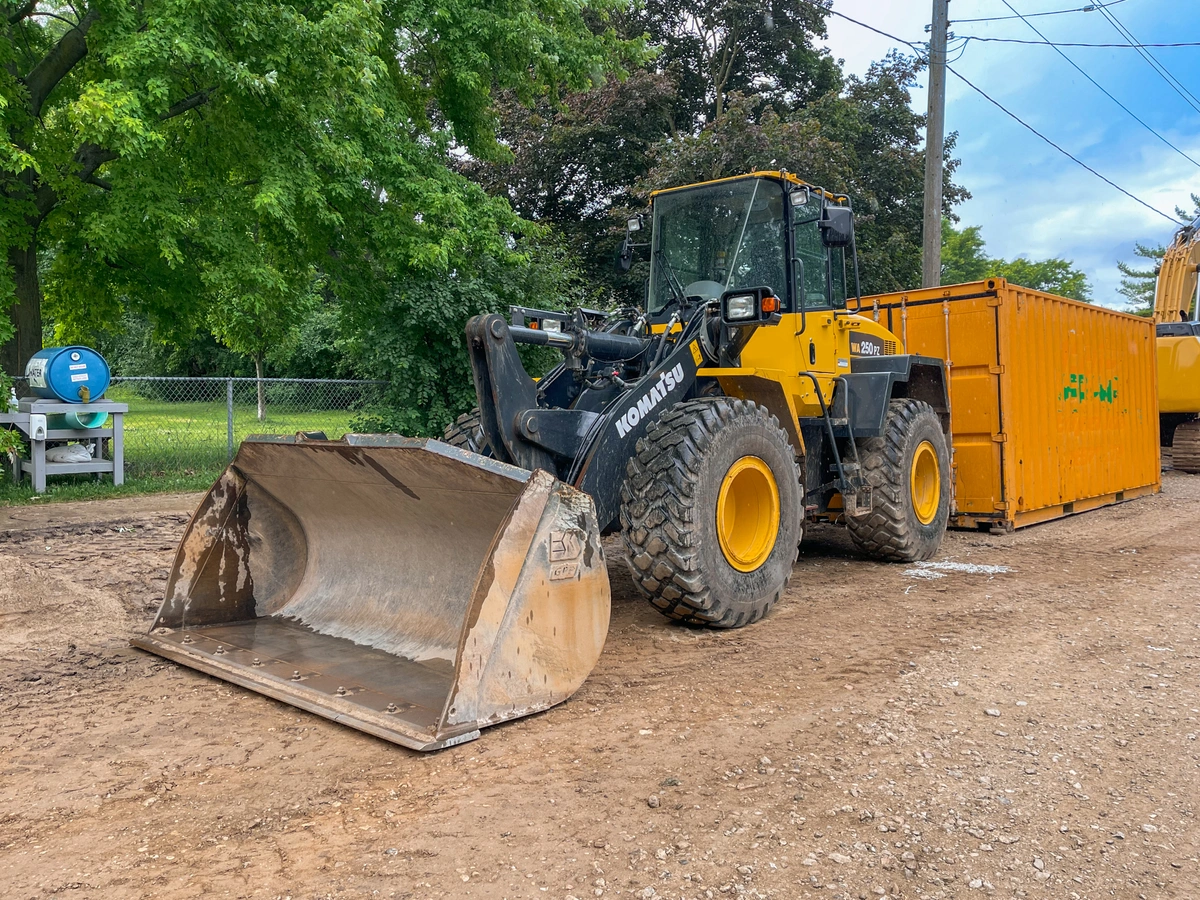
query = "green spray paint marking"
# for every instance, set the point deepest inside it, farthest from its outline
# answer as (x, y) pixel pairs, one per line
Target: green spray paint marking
(1076, 390)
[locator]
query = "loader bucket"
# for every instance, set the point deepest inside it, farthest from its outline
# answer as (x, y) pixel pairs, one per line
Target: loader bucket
(403, 587)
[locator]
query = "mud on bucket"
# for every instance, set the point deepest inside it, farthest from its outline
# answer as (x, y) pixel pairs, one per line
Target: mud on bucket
(403, 587)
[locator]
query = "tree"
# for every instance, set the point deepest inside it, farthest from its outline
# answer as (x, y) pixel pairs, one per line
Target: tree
(258, 312)
(574, 162)
(1054, 276)
(714, 48)
(414, 331)
(1138, 285)
(146, 145)
(964, 259)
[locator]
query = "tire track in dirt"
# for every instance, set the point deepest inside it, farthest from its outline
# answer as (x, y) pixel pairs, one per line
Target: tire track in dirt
(841, 748)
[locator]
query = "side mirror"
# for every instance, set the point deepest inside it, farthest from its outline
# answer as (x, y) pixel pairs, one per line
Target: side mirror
(624, 261)
(837, 226)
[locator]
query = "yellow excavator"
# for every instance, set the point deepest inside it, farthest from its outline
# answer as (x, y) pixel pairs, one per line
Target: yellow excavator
(420, 590)
(1177, 324)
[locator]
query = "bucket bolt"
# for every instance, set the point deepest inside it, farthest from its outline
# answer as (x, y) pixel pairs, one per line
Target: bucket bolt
(220, 650)
(341, 691)
(296, 675)
(187, 639)
(391, 707)
(256, 662)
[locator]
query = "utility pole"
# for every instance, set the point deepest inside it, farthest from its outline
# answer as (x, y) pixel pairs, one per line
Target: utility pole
(935, 134)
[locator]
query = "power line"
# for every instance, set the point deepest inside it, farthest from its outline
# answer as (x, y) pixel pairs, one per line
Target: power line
(1158, 67)
(1048, 43)
(917, 49)
(1065, 153)
(1101, 87)
(1091, 7)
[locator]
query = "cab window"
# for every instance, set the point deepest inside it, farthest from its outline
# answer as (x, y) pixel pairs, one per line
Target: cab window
(812, 274)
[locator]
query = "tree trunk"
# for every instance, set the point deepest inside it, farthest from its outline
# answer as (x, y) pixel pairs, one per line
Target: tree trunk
(262, 400)
(26, 313)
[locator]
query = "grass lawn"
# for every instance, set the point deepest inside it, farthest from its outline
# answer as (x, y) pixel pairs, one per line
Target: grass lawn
(176, 446)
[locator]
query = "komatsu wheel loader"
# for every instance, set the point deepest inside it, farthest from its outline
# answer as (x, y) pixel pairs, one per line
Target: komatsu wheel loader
(420, 590)
(1177, 324)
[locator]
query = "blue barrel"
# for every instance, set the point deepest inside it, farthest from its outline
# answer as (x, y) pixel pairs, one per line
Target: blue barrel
(70, 374)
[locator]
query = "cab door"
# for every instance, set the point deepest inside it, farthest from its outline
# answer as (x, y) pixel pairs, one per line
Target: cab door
(819, 339)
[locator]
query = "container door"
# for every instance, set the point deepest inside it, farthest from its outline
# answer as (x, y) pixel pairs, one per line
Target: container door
(964, 332)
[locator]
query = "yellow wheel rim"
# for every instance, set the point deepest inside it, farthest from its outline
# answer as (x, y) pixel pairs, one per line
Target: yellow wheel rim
(925, 481)
(748, 514)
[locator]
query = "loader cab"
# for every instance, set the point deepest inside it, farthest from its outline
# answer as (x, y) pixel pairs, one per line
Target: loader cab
(763, 229)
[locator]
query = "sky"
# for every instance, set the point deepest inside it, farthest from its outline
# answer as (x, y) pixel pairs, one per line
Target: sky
(1029, 199)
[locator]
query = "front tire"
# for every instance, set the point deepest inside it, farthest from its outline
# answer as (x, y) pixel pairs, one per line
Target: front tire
(711, 512)
(466, 433)
(908, 471)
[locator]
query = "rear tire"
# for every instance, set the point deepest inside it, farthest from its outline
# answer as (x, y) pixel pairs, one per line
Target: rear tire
(466, 433)
(1185, 452)
(907, 521)
(711, 512)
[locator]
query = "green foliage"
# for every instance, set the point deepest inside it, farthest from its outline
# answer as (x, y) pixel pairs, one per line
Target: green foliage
(413, 334)
(964, 259)
(210, 163)
(1055, 276)
(573, 163)
(1137, 285)
(711, 49)
(10, 439)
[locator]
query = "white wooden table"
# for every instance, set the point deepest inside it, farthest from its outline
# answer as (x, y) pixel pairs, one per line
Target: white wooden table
(37, 468)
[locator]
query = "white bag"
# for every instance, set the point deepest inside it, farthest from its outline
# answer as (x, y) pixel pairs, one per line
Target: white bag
(70, 453)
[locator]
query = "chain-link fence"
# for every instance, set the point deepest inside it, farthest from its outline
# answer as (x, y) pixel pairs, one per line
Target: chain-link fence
(192, 426)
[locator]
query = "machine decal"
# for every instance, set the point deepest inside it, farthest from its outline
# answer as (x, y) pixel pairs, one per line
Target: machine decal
(666, 383)
(865, 345)
(696, 354)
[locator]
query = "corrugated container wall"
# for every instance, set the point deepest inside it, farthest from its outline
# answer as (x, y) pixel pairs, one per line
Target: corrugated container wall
(1053, 402)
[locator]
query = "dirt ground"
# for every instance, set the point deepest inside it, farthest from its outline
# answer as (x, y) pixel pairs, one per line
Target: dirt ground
(888, 730)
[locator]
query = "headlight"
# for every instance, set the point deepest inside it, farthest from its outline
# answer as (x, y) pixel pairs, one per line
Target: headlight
(740, 306)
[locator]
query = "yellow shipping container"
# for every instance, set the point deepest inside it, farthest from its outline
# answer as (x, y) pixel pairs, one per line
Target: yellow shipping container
(1053, 402)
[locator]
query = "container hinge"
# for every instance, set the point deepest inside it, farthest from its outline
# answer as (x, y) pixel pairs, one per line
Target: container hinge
(1003, 505)
(1001, 438)
(993, 301)
(996, 370)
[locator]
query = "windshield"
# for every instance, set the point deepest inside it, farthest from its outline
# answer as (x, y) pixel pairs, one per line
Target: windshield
(711, 239)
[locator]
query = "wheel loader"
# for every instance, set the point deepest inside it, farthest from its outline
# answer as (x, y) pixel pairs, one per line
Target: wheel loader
(420, 590)
(1176, 291)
